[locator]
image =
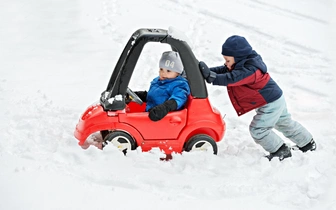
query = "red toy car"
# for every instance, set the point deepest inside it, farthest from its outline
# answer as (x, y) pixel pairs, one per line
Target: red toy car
(126, 124)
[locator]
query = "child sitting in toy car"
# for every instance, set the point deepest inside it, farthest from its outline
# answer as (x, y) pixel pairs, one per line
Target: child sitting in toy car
(167, 92)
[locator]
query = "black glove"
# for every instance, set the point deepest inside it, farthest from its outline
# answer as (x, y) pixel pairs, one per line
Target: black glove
(142, 95)
(210, 76)
(158, 112)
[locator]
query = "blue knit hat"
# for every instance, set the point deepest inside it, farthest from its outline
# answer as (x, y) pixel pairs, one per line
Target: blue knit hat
(236, 46)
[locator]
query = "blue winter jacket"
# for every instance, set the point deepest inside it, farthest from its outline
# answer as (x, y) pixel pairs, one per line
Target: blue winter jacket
(248, 84)
(163, 90)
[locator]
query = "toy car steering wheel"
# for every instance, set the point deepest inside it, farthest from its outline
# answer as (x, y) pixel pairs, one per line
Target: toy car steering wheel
(134, 97)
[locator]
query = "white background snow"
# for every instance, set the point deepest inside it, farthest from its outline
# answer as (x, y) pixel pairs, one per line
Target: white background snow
(56, 57)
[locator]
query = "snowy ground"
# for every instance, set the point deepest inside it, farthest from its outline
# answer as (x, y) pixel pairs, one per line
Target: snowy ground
(56, 58)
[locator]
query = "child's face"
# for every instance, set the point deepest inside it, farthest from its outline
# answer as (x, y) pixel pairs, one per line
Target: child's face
(229, 61)
(167, 74)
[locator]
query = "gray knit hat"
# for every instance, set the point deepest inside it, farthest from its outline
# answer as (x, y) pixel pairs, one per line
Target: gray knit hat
(171, 60)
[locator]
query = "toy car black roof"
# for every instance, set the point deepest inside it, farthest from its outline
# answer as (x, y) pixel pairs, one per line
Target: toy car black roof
(124, 68)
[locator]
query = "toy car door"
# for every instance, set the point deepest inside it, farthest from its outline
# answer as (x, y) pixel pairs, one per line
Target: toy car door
(168, 127)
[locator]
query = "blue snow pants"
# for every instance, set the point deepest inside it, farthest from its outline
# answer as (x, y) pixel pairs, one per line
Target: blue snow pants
(275, 115)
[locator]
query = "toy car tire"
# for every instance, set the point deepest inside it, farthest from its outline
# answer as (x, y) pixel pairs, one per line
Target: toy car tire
(122, 140)
(201, 142)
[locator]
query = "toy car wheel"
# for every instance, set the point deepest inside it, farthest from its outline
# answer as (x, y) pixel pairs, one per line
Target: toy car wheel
(201, 143)
(121, 140)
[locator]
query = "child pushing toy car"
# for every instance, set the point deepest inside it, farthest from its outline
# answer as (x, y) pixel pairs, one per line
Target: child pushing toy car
(250, 86)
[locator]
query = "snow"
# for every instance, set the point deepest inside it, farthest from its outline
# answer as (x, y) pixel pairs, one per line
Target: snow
(56, 58)
(179, 35)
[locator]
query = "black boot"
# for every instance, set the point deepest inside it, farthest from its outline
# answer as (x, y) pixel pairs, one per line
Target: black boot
(311, 146)
(283, 152)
